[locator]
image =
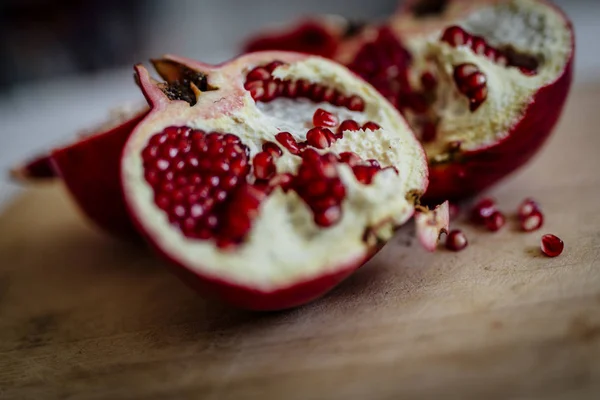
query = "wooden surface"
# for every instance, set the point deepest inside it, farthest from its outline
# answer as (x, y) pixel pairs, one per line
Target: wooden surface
(85, 317)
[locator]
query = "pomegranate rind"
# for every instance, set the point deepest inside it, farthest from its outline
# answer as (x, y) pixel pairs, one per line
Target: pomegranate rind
(90, 170)
(431, 224)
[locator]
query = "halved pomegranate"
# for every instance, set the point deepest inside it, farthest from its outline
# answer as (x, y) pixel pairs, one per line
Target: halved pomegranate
(481, 82)
(229, 178)
(89, 168)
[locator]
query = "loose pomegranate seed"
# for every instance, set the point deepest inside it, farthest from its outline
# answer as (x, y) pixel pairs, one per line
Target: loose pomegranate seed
(322, 118)
(456, 240)
(287, 140)
(264, 166)
(271, 148)
(495, 221)
(552, 246)
(533, 221)
(527, 207)
(483, 209)
(317, 137)
(370, 126)
(456, 36)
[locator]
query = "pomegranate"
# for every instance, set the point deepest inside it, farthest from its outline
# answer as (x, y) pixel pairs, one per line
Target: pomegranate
(270, 178)
(89, 168)
(482, 82)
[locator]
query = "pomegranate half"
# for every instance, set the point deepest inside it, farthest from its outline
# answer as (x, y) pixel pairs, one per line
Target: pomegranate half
(270, 178)
(481, 82)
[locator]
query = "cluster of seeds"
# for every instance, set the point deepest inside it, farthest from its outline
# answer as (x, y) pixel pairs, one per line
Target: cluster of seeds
(264, 87)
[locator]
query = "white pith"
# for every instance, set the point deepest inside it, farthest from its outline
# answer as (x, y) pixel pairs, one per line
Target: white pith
(531, 27)
(285, 246)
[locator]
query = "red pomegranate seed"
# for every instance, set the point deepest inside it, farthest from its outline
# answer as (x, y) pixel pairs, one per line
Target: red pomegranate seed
(483, 209)
(355, 103)
(370, 126)
(324, 118)
(316, 92)
(374, 163)
(290, 89)
(271, 91)
(272, 65)
(350, 158)
(472, 83)
(339, 99)
(282, 180)
(264, 167)
(552, 245)
(527, 207)
(287, 140)
(317, 137)
(456, 36)
(258, 74)
(303, 87)
(478, 45)
(329, 95)
(495, 221)
(428, 81)
(456, 240)
(328, 217)
(271, 148)
(347, 125)
(533, 221)
(364, 173)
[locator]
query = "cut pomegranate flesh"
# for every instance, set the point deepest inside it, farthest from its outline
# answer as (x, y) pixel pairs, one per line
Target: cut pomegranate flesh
(268, 174)
(478, 74)
(552, 245)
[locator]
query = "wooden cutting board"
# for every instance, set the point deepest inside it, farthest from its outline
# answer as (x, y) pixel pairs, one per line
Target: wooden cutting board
(85, 317)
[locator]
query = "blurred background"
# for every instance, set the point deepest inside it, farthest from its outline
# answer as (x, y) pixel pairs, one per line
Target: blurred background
(66, 62)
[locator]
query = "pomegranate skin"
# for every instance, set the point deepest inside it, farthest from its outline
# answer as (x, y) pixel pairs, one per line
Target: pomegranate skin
(90, 169)
(249, 298)
(481, 169)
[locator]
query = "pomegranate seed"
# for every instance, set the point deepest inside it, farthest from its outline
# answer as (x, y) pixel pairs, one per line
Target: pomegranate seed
(271, 91)
(374, 163)
(527, 207)
(370, 126)
(328, 217)
(483, 209)
(303, 87)
(324, 118)
(456, 36)
(532, 222)
(272, 65)
(527, 71)
(478, 45)
(456, 240)
(290, 89)
(329, 95)
(495, 221)
(258, 74)
(339, 99)
(282, 180)
(316, 92)
(552, 245)
(317, 137)
(271, 148)
(355, 103)
(350, 158)
(428, 81)
(347, 125)
(264, 167)
(364, 173)
(287, 140)
(472, 83)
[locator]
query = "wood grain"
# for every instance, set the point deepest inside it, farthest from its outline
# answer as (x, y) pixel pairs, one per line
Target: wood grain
(85, 317)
